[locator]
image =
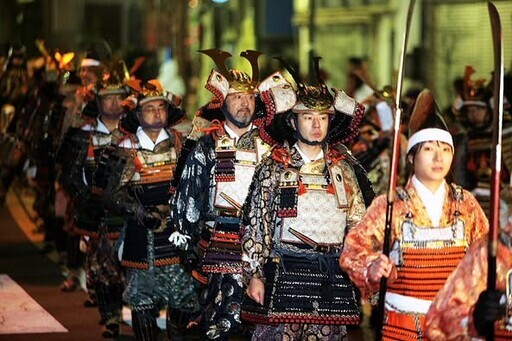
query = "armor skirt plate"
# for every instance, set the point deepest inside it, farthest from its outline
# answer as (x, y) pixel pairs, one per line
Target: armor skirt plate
(304, 289)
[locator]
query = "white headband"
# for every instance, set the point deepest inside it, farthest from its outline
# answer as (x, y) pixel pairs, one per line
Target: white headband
(89, 62)
(477, 103)
(429, 134)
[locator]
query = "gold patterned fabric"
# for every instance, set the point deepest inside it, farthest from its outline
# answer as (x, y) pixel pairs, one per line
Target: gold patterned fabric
(364, 244)
(451, 314)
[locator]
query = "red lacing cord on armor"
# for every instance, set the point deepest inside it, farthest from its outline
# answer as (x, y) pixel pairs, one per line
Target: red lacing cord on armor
(270, 105)
(90, 148)
(282, 156)
(302, 189)
(333, 156)
(177, 140)
(216, 127)
(215, 103)
(217, 93)
(136, 160)
(354, 124)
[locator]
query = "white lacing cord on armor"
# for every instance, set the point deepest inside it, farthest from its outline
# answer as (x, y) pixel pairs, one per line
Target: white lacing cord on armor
(253, 264)
(120, 251)
(180, 240)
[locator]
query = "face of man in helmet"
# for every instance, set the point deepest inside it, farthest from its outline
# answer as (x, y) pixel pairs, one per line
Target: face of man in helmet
(111, 105)
(87, 75)
(478, 116)
(240, 107)
(312, 125)
(153, 115)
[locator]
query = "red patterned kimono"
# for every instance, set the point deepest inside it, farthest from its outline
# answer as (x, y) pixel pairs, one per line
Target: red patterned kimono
(424, 255)
(451, 315)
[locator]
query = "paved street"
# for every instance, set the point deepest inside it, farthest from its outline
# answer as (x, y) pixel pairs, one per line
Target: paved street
(40, 277)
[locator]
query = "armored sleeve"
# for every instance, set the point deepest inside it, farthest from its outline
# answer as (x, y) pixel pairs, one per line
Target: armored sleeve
(71, 156)
(190, 202)
(363, 244)
(259, 218)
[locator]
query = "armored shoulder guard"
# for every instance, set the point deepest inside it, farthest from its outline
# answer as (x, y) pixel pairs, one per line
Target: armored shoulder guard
(362, 178)
(109, 172)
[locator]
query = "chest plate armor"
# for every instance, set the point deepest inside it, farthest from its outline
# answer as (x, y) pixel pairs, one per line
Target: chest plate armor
(316, 217)
(307, 285)
(221, 245)
(425, 256)
(86, 223)
(235, 189)
(234, 170)
(321, 210)
(150, 186)
(98, 142)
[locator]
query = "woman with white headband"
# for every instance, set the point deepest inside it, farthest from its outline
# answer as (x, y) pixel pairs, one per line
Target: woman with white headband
(432, 226)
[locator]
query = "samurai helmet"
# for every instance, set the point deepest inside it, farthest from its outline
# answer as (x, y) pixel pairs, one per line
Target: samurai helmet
(475, 91)
(345, 111)
(114, 78)
(224, 81)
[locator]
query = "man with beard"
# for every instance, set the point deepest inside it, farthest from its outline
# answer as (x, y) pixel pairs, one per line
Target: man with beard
(143, 165)
(212, 189)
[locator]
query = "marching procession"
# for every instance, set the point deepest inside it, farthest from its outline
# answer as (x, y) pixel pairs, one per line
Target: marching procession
(285, 206)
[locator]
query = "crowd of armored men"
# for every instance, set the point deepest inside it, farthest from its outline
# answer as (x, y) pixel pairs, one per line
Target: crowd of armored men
(189, 223)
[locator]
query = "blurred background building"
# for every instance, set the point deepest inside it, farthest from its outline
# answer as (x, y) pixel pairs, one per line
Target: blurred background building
(445, 37)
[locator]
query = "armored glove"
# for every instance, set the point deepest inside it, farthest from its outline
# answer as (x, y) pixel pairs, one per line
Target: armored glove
(189, 256)
(91, 109)
(489, 308)
(94, 207)
(189, 259)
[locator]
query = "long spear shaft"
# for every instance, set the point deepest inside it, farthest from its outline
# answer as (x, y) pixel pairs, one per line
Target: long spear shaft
(497, 124)
(394, 168)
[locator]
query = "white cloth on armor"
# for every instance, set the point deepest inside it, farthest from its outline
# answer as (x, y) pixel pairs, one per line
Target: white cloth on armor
(406, 304)
(433, 201)
(232, 133)
(146, 142)
(304, 156)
